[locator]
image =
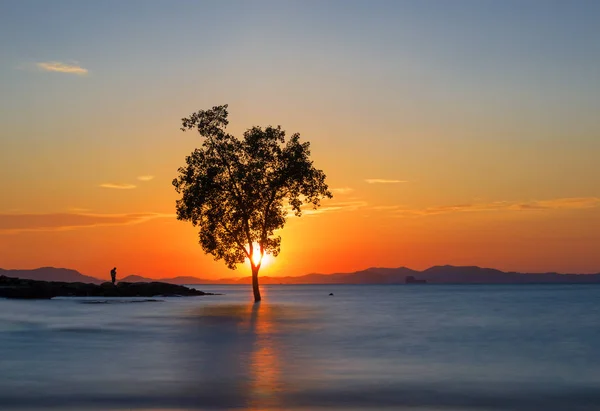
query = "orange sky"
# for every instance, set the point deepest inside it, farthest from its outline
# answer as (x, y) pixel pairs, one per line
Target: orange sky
(462, 138)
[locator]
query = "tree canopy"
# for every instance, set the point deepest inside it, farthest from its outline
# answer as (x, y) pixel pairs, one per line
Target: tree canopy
(239, 191)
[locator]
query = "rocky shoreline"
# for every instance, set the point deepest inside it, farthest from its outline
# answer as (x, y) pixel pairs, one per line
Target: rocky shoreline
(32, 289)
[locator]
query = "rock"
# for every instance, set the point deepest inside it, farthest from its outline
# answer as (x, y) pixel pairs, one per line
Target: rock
(32, 289)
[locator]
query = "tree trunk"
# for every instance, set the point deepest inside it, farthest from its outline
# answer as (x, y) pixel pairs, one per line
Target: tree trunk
(255, 284)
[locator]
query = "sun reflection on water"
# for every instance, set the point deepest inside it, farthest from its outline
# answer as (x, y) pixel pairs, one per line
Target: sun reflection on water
(252, 351)
(265, 367)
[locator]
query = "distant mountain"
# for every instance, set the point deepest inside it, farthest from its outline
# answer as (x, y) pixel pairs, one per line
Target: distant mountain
(435, 275)
(181, 280)
(477, 275)
(446, 274)
(136, 279)
(369, 276)
(51, 274)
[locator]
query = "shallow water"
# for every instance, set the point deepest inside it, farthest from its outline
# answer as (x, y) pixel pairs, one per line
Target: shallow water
(432, 347)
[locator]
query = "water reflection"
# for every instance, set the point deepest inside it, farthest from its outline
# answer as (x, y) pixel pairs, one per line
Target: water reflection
(369, 348)
(240, 351)
(266, 386)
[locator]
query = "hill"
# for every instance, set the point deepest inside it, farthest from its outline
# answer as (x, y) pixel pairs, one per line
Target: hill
(477, 275)
(181, 280)
(446, 274)
(435, 275)
(51, 274)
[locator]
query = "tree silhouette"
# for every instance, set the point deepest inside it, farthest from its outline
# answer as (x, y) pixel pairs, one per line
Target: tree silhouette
(236, 190)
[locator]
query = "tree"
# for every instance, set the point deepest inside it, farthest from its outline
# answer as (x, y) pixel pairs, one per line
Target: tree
(240, 191)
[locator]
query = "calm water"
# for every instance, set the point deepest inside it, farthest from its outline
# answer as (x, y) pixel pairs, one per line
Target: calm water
(367, 347)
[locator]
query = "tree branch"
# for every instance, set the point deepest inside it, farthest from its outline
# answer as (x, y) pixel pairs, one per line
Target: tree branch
(238, 242)
(236, 193)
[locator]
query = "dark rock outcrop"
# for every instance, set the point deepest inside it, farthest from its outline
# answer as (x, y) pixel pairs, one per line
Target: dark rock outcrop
(32, 289)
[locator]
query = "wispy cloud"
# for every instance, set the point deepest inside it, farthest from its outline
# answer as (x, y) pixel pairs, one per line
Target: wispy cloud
(561, 203)
(16, 223)
(118, 186)
(385, 207)
(571, 203)
(384, 181)
(342, 190)
(145, 178)
(58, 67)
(330, 207)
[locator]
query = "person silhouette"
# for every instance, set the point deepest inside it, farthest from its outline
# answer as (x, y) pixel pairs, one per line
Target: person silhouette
(113, 275)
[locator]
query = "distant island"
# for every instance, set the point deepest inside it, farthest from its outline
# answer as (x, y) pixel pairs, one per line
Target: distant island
(446, 274)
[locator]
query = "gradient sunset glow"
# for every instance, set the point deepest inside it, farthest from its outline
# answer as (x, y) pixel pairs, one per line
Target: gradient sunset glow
(450, 133)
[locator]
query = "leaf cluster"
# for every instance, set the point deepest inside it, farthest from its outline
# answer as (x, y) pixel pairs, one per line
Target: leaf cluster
(240, 191)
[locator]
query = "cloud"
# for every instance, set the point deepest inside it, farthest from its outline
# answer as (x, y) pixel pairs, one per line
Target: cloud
(570, 203)
(16, 223)
(383, 181)
(342, 190)
(561, 204)
(58, 67)
(330, 207)
(117, 186)
(385, 207)
(145, 178)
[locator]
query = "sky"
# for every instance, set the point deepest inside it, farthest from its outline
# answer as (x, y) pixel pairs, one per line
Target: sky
(463, 132)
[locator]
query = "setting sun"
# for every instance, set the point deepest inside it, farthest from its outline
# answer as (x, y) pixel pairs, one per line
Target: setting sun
(256, 257)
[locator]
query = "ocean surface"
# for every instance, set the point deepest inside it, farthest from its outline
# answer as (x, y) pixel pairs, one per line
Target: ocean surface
(404, 347)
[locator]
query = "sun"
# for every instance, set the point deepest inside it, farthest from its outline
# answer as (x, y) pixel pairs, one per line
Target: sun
(266, 259)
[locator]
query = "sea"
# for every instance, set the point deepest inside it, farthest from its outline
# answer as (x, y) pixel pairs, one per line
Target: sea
(365, 347)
